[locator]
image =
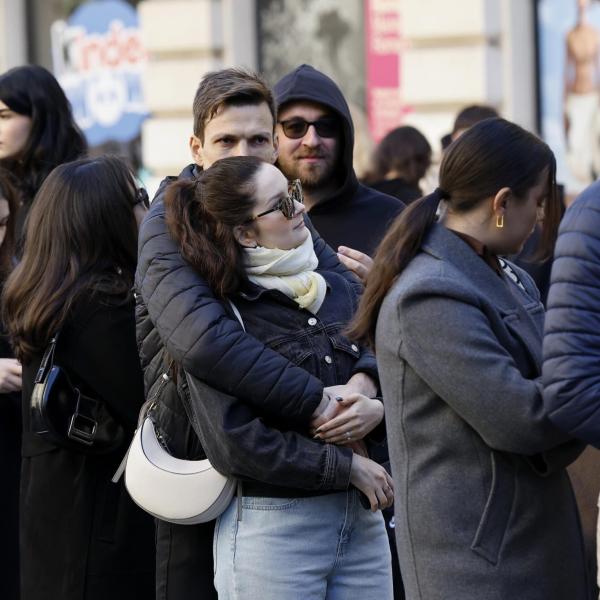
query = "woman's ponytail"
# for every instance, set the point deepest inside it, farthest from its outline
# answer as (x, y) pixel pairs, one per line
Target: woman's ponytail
(202, 214)
(489, 156)
(182, 204)
(400, 245)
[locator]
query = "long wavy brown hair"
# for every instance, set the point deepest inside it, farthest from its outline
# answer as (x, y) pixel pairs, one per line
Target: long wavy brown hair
(81, 236)
(8, 192)
(489, 156)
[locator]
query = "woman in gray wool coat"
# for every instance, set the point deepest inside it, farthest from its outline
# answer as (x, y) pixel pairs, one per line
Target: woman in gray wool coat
(484, 506)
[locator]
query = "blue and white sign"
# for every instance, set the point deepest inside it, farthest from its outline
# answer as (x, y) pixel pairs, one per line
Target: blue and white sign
(98, 59)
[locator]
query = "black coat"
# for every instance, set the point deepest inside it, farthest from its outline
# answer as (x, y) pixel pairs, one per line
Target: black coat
(354, 215)
(399, 188)
(81, 535)
(10, 466)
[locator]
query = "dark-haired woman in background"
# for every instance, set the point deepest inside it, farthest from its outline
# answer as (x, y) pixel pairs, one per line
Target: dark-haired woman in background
(37, 131)
(400, 161)
(10, 411)
(484, 505)
(81, 535)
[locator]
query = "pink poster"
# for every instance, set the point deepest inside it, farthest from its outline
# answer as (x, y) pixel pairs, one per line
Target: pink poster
(383, 47)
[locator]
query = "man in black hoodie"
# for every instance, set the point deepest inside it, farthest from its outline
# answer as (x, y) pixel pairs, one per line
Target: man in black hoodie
(316, 141)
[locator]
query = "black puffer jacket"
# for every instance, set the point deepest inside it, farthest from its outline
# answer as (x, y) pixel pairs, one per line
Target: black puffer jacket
(176, 307)
(277, 460)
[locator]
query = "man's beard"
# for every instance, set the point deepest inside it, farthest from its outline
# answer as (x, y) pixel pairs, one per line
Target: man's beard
(311, 176)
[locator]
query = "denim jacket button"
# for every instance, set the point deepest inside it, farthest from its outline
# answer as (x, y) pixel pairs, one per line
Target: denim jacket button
(354, 347)
(312, 321)
(328, 359)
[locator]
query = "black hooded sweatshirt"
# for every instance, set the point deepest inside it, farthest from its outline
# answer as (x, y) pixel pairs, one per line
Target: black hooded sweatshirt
(354, 215)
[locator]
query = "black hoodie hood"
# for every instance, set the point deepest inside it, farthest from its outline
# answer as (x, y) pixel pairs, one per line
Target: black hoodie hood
(306, 83)
(354, 215)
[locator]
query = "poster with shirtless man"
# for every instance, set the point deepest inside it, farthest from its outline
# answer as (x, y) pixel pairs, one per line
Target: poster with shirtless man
(569, 52)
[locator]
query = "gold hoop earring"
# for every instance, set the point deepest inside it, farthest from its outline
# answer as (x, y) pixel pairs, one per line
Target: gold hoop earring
(500, 221)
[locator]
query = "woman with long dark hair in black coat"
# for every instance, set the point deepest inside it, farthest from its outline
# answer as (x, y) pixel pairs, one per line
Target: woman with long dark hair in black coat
(81, 535)
(37, 131)
(10, 410)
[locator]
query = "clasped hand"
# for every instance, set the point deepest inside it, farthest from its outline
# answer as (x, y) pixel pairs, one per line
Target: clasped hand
(347, 419)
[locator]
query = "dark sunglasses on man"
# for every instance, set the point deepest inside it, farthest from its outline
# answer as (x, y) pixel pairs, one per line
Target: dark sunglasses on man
(296, 127)
(287, 204)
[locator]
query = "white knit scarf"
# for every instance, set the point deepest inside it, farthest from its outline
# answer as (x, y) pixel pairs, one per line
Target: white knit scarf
(289, 271)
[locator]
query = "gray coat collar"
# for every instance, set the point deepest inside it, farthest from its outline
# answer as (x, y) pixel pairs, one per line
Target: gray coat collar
(445, 245)
(521, 311)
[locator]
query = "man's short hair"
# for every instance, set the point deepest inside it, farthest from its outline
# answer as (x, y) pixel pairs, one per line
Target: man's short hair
(470, 115)
(229, 87)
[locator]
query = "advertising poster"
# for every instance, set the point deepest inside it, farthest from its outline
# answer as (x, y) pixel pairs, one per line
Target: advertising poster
(98, 59)
(569, 87)
(327, 34)
(356, 42)
(383, 49)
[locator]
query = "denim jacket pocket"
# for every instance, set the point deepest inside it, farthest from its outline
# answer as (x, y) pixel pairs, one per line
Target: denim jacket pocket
(343, 344)
(296, 352)
(497, 511)
(346, 354)
(345, 347)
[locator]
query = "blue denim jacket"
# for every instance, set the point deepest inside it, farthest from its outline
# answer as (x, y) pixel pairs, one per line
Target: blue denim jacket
(314, 342)
(261, 449)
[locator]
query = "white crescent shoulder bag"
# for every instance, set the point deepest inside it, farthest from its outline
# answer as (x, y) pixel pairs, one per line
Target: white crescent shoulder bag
(185, 492)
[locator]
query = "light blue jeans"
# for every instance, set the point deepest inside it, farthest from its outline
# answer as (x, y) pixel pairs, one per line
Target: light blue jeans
(324, 547)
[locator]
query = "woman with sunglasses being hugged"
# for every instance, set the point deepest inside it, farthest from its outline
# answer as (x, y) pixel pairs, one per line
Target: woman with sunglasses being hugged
(297, 529)
(37, 131)
(81, 535)
(485, 508)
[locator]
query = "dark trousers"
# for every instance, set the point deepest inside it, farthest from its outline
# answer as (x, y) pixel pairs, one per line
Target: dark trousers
(184, 561)
(388, 516)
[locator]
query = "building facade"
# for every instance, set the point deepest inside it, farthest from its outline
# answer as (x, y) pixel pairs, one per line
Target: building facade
(434, 57)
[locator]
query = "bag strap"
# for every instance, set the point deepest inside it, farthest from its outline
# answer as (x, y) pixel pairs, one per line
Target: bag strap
(151, 402)
(47, 361)
(185, 397)
(84, 421)
(236, 312)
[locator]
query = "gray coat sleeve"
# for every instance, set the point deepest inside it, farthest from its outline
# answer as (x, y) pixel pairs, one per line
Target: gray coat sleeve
(448, 341)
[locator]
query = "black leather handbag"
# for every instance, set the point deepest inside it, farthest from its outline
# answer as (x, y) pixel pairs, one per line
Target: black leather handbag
(65, 416)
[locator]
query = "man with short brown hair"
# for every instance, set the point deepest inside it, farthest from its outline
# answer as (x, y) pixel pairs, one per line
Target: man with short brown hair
(177, 311)
(231, 87)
